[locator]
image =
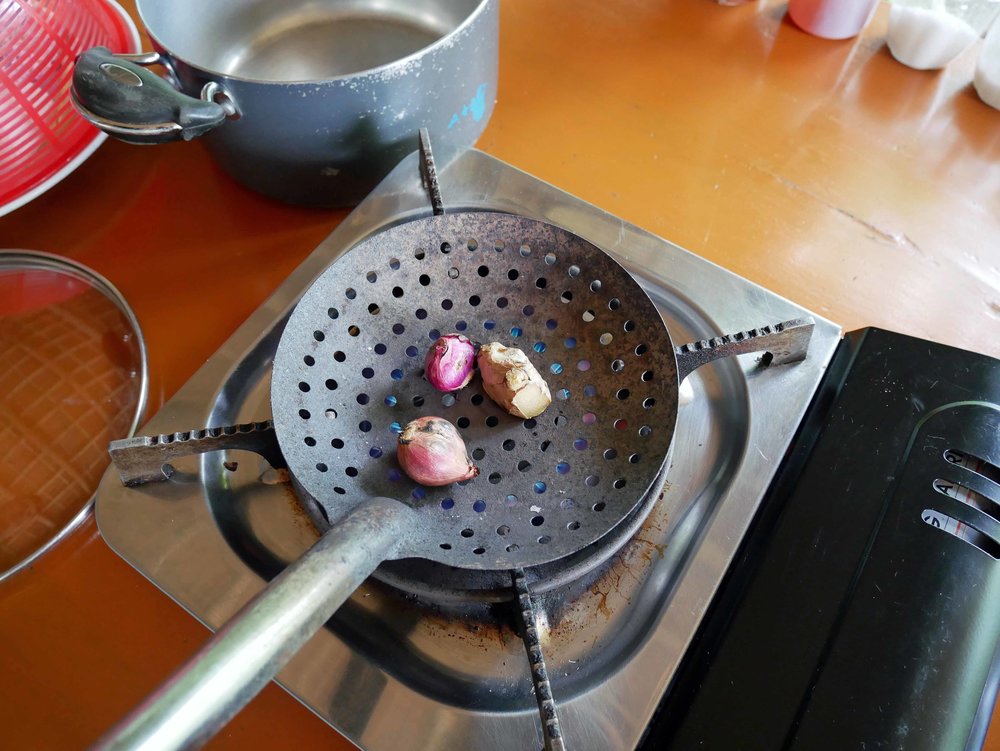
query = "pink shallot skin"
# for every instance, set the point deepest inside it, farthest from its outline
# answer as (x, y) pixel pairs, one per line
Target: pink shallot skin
(432, 453)
(450, 361)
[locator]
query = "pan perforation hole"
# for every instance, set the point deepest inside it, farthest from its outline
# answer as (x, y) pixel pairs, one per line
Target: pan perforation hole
(479, 505)
(319, 335)
(448, 503)
(424, 280)
(537, 521)
(447, 304)
(351, 471)
(309, 441)
(618, 366)
(394, 263)
(525, 251)
(588, 316)
(544, 540)
(619, 483)
(489, 324)
(512, 548)
(362, 399)
(590, 390)
(321, 467)
(494, 478)
(303, 386)
(566, 297)
(472, 245)
(337, 443)
(364, 426)
(333, 313)
(474, 300)
(641, 349)
(580, 444)
(462, 423)
(562, 468)
(541, 282)
(353, 330)
(599, 506)
(524, 465)
(375, 452)
(372, 277)
(419, 254)
(445, 546)
(483, 271)
(539, 487)
(503, 530)
(502, 302)
(339, 356)
(453, 272)
(595, 286)
(467, 532)
(551, 324)
(478, 453)
(397, 292)
(573, 271)
(499, 246)
(516, 332)
(446, 247)
(390, 400)
(539, 347)
(309, 360)
(606, 339)
(592, 481)
(513, 274)
(509, 445)
(420, 313)
(629, 325)
(573, 525)
(374, 309)
(614, 303)
(479, 551)
(304, 414)
(350, 293)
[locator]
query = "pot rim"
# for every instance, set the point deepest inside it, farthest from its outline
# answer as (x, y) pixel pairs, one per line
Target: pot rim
(388, 70)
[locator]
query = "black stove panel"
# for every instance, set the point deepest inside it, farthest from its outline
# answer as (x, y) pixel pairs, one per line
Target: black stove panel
(862, 610)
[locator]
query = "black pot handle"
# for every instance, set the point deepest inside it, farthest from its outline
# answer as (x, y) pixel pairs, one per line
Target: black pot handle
(124, 99)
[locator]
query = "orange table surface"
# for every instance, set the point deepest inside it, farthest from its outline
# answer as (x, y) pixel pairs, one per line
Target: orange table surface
(825, 171)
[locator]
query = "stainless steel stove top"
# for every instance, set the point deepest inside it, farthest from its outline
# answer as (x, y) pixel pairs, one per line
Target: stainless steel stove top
(391, 672)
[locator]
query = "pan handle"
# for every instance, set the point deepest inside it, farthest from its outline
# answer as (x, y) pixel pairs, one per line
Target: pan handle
(785, 342)
(116, 93)
(246, 653)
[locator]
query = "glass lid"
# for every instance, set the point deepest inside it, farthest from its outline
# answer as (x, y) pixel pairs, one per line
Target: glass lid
(73, 376)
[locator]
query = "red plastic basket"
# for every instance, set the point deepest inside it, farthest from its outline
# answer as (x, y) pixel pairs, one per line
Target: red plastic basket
(42, 138)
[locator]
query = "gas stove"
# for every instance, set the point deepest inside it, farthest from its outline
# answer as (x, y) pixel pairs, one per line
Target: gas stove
(425, 669)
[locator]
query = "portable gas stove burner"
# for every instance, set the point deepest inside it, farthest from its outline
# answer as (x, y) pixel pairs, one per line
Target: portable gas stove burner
(443, 664)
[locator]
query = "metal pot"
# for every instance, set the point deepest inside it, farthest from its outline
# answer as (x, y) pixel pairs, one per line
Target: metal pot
(307, 102)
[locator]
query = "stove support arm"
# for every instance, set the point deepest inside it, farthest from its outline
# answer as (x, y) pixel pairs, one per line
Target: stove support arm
(539, 675)
(781, 343)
